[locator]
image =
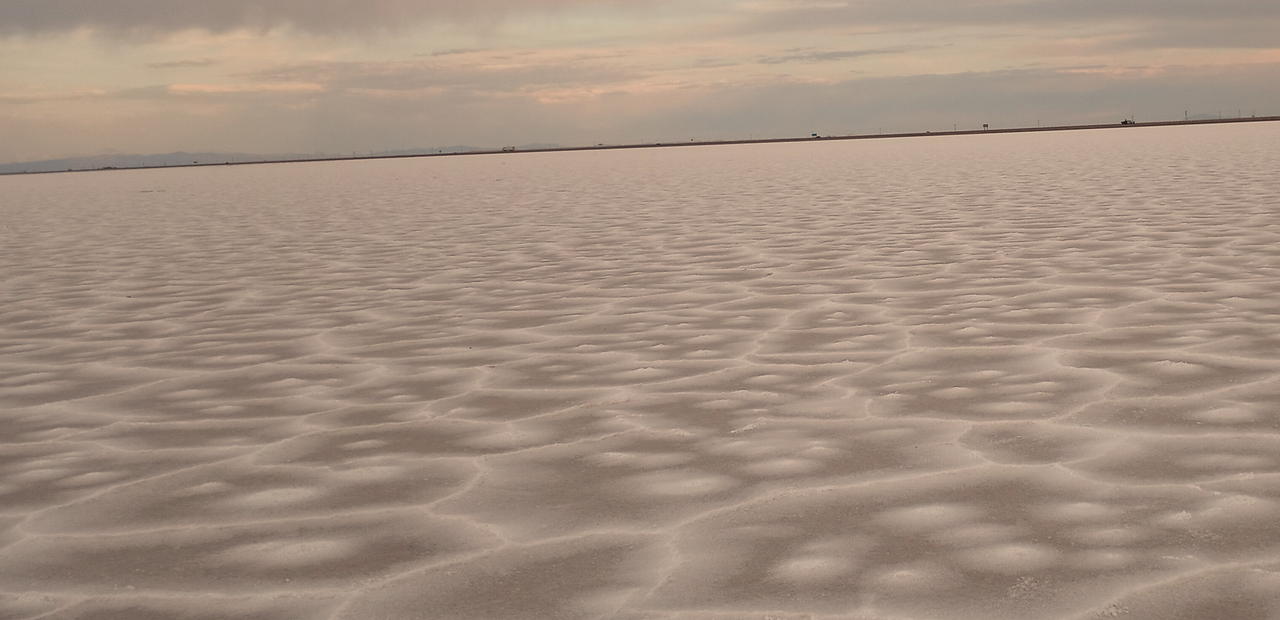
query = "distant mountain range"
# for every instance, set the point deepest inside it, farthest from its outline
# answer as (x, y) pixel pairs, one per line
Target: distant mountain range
(181, 158)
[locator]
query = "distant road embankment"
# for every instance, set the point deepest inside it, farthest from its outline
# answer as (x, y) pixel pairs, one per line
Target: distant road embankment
(918, 134)
(606, 147)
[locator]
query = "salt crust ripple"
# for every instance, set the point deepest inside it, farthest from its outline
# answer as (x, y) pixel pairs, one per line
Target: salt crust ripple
(1017, 376)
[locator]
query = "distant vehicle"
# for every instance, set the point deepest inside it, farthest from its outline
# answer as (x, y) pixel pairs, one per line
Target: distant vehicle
(1128, 122)
(508, 149)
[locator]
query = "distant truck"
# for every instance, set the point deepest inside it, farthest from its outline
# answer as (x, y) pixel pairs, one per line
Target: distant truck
(508, 149)
(1128, 122)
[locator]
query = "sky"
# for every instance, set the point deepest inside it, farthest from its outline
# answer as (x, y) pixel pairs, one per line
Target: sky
(88, 77)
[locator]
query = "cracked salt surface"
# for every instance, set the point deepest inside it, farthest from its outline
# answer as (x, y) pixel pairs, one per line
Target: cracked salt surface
(1025, 376)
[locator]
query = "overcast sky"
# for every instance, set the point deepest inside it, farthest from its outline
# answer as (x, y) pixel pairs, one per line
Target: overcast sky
(83, 77)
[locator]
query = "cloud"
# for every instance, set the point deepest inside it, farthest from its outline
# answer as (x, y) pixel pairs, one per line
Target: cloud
(1242, 34)
(453, 52)
(950, 12)
(235, 89)
(799, 56)
(1144, 15)
(393, 76)
(183, 64)
(152, 17)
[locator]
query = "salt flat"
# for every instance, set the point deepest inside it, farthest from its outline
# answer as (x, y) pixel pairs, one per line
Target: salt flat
(1022, 376)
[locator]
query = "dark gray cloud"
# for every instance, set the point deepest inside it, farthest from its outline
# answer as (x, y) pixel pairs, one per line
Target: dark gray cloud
(817, 56)
(1242, 34)
(1213, 23)
(151, 17)
(453, 52)
(1048, 12)
(183, 64)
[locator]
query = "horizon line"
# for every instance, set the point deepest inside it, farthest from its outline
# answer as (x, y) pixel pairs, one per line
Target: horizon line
(1126, 124)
